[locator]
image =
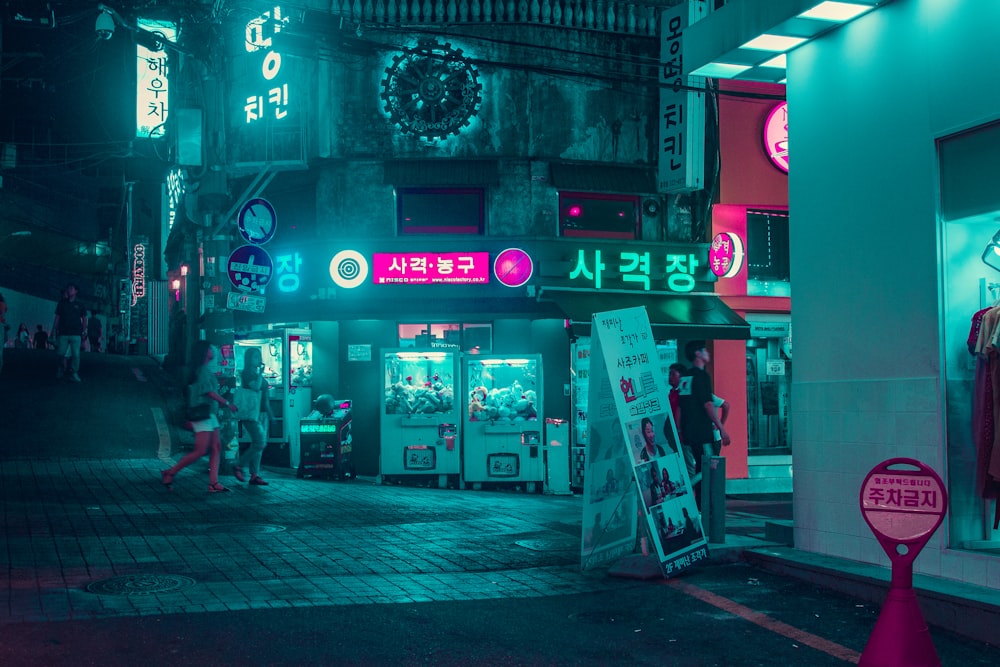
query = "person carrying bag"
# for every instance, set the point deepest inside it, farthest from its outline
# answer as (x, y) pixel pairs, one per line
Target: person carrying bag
(254, 418)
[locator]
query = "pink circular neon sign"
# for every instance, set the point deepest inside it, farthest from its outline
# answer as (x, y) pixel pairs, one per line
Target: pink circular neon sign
(776, 136)
(725, 257)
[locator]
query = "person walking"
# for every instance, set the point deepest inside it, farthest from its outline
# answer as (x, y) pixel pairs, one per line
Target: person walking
(41, 338)
(252, 378)
(698, 412)
(68, 327)
(94, 332)
(203, 388)
(23, 339)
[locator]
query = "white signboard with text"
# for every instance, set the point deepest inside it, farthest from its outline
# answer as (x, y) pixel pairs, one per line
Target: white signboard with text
(632, 430)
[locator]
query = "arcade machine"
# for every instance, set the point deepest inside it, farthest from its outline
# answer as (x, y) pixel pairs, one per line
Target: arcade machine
(287, 356)
(420, 418)
(503, 431)
(325, 439)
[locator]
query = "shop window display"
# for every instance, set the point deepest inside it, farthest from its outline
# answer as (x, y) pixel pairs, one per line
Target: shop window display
(419, 382)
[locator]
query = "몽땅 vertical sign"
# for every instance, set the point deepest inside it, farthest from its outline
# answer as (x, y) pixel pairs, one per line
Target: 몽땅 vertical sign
(638, 418)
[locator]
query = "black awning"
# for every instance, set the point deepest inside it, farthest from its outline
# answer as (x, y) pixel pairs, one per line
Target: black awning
(441, 172)
(686, 316)
(603, 178)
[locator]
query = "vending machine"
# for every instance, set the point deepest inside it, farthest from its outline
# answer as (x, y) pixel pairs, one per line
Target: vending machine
(325, 439)
(503, 429)
(420, 420)
(287, 357)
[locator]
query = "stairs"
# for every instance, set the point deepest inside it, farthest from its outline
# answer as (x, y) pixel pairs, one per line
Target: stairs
(768, 474)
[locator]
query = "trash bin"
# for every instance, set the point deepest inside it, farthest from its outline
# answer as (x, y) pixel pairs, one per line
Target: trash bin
(556, 453)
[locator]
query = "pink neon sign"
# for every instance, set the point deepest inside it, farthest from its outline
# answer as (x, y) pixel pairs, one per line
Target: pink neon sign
(726, 255)
(776, 136)
(425, 268)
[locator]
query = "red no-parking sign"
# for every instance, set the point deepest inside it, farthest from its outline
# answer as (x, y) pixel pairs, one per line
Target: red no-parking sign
(903, 502)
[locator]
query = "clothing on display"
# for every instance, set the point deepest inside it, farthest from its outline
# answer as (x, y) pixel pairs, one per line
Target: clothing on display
(983, 341)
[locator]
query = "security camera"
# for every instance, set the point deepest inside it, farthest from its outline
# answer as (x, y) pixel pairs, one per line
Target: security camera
(105, 26)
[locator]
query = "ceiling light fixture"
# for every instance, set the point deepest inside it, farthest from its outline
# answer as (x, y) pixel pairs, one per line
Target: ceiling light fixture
(739, 40)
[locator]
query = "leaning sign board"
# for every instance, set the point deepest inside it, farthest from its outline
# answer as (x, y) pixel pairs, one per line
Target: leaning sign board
(248, 302)
(632, 427)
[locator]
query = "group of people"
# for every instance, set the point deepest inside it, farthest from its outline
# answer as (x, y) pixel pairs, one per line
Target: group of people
(67, 337)
(204, 388)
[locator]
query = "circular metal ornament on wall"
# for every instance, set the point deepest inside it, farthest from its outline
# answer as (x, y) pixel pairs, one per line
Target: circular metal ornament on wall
(431, 90)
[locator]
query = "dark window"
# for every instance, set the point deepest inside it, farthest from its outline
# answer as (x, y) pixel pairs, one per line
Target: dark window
(439, 210)
(767, 245)
(598, 216)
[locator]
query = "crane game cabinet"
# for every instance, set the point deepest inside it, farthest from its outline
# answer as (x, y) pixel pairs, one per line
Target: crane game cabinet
(503, 432)
(420, 421)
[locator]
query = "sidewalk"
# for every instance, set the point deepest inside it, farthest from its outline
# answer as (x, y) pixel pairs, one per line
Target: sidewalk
(91, 532)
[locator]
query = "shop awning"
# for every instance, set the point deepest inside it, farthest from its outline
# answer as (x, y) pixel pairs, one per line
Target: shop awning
(686, 316)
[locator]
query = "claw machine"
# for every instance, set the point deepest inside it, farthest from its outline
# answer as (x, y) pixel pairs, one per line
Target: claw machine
(420, 422)
(287, 357)
(503, 431)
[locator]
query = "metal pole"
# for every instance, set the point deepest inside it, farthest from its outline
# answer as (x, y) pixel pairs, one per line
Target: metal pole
(713, 498)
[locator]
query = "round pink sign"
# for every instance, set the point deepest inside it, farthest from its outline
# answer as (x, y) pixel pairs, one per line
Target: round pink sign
(903, 502)
(776, 136)
(725, 257)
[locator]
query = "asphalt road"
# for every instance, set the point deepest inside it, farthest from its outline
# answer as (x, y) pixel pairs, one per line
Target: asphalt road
(764, 621)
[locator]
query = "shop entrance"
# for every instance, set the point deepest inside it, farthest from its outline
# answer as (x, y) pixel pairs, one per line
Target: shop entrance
(769, 386)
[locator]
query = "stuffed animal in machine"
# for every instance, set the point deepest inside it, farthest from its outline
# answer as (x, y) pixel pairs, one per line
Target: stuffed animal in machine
(525, 406)
(477, 404)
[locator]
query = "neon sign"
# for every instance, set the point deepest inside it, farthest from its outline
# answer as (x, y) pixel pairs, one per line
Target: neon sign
(726, 255)
(175, 192)
(422, 268)
(674, 272)
(259, 37)
(776, 136)
(152, 81)
(138, 272)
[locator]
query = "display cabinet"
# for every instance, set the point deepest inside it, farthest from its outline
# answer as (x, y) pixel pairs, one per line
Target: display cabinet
(503, 428)
(420, 421)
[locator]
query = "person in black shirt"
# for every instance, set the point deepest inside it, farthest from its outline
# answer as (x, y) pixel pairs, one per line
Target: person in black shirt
(41, 339)
(698, 413)
(68, 327)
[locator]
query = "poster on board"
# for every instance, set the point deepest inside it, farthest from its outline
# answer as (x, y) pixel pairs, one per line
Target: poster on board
(610, 501)
(634, 411)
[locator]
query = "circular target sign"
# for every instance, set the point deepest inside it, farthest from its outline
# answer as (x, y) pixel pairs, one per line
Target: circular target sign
(348, 268)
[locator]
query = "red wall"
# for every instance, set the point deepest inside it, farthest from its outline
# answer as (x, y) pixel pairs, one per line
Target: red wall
(747, 179)
(747, 175)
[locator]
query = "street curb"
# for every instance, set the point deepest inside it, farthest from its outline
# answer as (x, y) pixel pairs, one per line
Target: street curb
(966, 610)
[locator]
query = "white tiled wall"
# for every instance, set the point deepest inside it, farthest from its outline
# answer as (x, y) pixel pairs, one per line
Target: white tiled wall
(845, 428)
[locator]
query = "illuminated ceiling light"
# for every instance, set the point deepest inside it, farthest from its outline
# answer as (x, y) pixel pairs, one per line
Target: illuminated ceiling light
(779, 61)
(835, 11)
(778, 43)
(720, 70)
